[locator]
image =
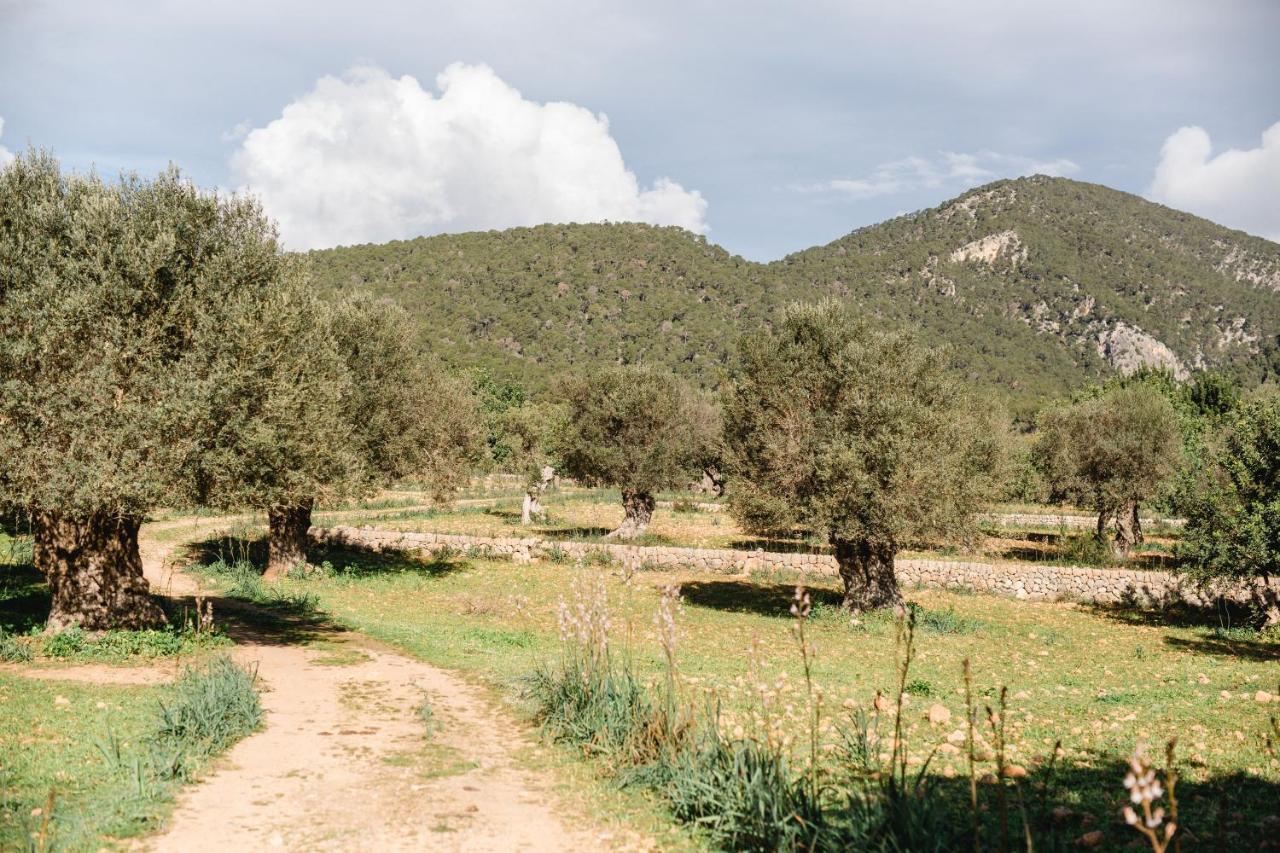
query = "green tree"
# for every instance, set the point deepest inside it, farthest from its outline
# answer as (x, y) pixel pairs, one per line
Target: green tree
(111, 298)
(1111, 452)
(519, 436)
(634, 428)
(332, 403)
(527, 434)
(858, 434)
(1233, 530)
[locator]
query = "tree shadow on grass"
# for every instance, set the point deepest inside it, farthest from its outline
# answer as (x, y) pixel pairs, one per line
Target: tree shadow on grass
(1174, 614)
(765, 599)
(346, 558)
(351, 560)
(1224, 812)
(1227, 647)
(25, 602)
(280, 622)
(1222, 631)
(561, 534)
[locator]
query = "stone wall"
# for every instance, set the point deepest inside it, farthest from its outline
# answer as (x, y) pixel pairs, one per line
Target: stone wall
(1068, 520)
(1071, 521)
(1017, 580)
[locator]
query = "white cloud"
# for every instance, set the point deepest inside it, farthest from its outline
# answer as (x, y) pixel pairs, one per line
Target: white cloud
(6, 156)
(1237, 188)
(368, 157)
(949, 170)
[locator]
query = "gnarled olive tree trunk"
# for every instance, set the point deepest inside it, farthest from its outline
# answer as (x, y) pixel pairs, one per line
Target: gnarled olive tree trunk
(869, 579)
(638, 507)
(533, 496)
(94, 570)
(1128, 530)
(287, 528)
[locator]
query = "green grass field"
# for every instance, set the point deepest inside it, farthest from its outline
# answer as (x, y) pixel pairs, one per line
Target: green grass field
(1098, 680)
(50, 734)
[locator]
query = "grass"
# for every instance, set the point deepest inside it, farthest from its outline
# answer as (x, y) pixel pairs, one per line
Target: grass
(585, 515)
(109, 758)
(1100, 680)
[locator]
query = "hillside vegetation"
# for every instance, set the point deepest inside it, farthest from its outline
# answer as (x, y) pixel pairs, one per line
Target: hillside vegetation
(1038, 284)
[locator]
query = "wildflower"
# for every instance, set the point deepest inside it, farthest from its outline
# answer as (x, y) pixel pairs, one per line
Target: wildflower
(802, 605)
(1144, 790)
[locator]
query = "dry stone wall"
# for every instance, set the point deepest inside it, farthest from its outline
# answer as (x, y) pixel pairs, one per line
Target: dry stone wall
(1017, 580)
(1070, 521)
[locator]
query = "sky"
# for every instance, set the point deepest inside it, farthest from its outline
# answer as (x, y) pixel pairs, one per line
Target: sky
(768, 127)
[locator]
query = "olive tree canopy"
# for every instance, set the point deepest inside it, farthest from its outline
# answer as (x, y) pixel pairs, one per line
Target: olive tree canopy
(1111, 453)
(860, 435)
(113, 300)
(333, 404)
(1233, 528)
(635, 429)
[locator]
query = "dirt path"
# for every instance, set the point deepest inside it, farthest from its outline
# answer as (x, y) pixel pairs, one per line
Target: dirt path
(344, 761)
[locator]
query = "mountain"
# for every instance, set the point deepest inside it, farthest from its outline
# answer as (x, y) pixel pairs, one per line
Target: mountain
(1037, 284)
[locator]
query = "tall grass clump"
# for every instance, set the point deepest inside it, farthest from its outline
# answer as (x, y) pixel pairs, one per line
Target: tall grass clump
(210, 709)
(586, 698)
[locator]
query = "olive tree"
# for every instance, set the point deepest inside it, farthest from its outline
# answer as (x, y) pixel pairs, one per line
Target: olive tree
(858, 434)
(520, 433)
(333, 404)
(1111, 453)
(636, 429)
(1233, 529)
(527, 432)
(111, 299)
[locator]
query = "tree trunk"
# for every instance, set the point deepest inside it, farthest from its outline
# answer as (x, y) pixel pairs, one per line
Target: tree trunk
(1138, 536)
(94, 571)
(287, 538)
(1127, 532)
(533, 496)
(639, 512)
(869, 579)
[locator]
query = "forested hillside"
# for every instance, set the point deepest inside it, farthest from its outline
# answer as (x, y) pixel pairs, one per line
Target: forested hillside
(1037, 284)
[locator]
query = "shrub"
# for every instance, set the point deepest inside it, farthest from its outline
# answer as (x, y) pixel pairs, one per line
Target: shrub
(598, 709)
(943, 621)
(66, 644)
(1086, 550)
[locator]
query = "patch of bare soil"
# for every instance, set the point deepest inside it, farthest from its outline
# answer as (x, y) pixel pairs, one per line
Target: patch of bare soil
(348, 759)
(96, 673)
